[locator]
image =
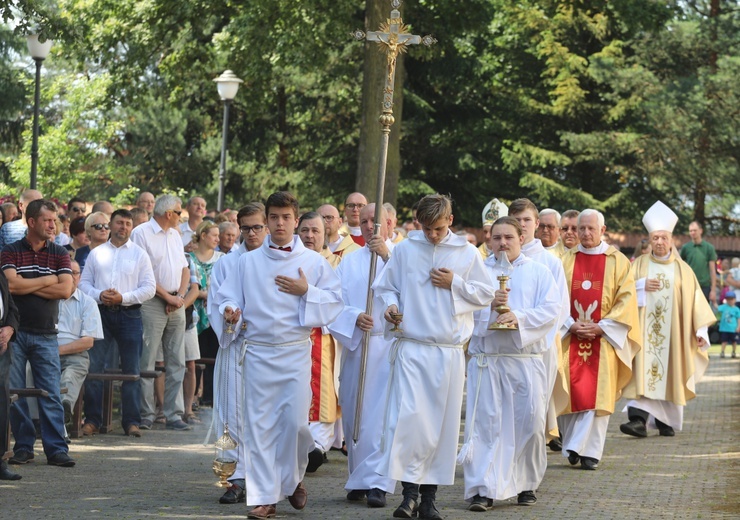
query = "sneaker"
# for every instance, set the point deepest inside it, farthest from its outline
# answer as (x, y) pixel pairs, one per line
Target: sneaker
(526, 498)
(235, 494)
(480, 504)
(178, 425)
(89, 429)
(21, 457)
(722, 355)
(145, 424)
(61, 459)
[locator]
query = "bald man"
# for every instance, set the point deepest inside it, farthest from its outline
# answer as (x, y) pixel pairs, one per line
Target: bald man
(352, 206)
(337, 243)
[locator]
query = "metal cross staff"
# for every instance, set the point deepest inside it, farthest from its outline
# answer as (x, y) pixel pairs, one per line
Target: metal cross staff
(393, 38)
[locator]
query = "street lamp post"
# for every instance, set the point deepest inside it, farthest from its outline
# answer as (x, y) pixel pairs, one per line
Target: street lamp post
(39, 51)
(228, 85)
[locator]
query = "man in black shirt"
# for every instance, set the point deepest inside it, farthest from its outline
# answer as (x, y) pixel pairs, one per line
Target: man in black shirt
(39, 275)
(8, 326)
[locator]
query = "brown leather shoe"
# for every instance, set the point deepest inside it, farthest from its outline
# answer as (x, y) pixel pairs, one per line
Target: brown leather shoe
(299, 497)
(133, 431)
(89, 429)
(259, 512)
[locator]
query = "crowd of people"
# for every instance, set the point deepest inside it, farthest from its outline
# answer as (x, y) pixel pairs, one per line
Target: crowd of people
(339, 331)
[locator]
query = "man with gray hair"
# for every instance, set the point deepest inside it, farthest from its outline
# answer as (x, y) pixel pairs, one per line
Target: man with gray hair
(395, 236)
(569, 228)
(164, 315)
(196, 208)
(599, 340)
(548, 231)
(227, 234)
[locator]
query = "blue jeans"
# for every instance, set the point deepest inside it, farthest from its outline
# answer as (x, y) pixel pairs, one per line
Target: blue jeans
(123, 328)
(42, 352)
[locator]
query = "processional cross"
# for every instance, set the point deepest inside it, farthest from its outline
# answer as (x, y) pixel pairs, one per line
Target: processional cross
(393, 38)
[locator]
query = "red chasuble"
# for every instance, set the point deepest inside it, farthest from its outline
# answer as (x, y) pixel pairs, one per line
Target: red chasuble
(359, 240)
(586, 296)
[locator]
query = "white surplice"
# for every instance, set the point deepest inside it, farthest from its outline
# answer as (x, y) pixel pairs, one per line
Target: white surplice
(536, 251)
(363, 455)
(504, 451)
(422, 416)
(227, 372)
(276, 357)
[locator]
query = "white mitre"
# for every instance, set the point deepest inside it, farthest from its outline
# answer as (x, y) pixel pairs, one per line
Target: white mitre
(493, 211)
(660, 218)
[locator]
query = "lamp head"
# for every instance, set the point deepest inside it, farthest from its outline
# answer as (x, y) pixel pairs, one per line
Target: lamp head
(228, 85)
(38, 50)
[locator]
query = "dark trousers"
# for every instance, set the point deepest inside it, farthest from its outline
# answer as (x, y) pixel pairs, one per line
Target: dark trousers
(208, 344)
(4, 400)
(124, 328)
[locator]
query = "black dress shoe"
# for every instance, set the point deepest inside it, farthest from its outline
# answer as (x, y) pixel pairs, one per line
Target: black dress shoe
(6, 474)
(357, 495)
(376, 498)
(636, 428)
(61, 459)
(589, 463)
(573, 458)
(555, 445)
(21, 457)
(407, 509)
(480, 504)
(428, 510)
(665, 430)
(315, 460)
(234, 495)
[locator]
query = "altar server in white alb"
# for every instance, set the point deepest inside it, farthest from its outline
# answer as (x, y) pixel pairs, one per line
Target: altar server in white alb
(227, 374)
(674, 316)
(437, 280)
(282, 290)
(504, 451)
(349, 330)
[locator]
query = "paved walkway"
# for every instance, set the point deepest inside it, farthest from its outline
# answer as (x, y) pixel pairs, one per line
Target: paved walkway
(168, 475)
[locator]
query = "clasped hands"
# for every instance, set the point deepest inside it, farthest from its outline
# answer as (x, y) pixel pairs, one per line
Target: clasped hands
(501, 298)
(586, 331)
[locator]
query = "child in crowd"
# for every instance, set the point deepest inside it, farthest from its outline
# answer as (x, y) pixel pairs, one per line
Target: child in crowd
(729, 323)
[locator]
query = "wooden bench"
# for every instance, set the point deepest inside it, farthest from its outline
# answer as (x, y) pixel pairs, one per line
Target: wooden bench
(108, 378)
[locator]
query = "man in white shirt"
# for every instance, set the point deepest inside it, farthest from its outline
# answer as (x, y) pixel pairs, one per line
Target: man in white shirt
(119, 277)
(227, 234)
(164, 315)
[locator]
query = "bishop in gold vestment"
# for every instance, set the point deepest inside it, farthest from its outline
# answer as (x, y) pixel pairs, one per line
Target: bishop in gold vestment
(674, 317)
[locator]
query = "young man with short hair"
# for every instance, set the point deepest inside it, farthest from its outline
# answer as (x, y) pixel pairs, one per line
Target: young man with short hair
(282, 291)
(437, 280)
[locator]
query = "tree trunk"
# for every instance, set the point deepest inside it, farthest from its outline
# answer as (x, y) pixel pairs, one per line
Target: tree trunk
(374, 71)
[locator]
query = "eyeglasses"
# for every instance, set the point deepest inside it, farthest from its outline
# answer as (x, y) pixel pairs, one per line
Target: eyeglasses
(547, 226)
(330, 218)
(78, 209)
(569, 228)
(176, 212)
(98, 227)
(352, 205)
(246, 229)
(76, 273)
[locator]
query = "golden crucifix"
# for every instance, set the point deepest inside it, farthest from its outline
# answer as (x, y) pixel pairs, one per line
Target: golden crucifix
(393, 38)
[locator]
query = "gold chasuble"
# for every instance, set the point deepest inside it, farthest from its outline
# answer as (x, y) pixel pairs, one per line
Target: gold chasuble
(601, 287)
(324, 407)
(483, 250)
(670, 363)
(558, 250)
